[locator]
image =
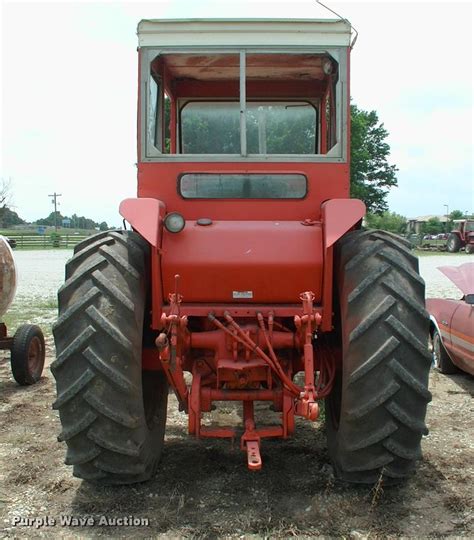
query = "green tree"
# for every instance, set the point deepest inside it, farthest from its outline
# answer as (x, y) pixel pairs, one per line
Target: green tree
(456, 214)
(432, 226)
(371, 174)
(50, 219)
(77, 222)
(9, 218)
(388, 221)
(81, 222)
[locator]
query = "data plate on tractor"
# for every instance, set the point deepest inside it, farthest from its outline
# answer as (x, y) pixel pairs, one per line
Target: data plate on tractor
(242, 294)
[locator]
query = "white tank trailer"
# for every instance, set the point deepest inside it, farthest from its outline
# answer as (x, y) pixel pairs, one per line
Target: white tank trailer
(27, 350)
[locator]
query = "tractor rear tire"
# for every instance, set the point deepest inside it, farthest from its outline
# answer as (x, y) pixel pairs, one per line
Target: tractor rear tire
(453, 244)
(113, 414)
(376, 412)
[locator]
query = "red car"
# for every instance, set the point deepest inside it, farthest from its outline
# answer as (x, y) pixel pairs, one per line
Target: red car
(452, 323)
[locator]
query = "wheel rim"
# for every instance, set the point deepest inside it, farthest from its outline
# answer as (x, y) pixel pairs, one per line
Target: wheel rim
(436, 350)
(35, 356)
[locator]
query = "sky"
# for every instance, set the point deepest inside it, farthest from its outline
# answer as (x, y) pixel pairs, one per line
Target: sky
(69, 92)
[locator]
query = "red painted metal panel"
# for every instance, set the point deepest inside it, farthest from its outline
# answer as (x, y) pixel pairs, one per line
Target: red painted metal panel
(461, 336)
(145, 216)
(325, 181)
(455, 320)
(462, 276)
(246, 310)
(340, 215)
(255, 89)
(274, 261)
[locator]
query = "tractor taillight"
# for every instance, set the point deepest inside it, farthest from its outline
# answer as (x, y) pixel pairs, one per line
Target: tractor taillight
(174, 222)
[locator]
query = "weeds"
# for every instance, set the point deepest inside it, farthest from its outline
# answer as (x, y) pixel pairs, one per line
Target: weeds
(457, 504)
(26, 474)
(377, 490)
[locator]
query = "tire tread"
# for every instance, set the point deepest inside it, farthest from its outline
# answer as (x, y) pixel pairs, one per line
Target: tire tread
(98, 337)
(383, 389)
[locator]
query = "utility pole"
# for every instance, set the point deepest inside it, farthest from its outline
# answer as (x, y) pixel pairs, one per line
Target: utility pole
(54, 197)
(447, 217)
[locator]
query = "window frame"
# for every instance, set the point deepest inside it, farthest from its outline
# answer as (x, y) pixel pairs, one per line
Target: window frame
(314, 103)
(337, 154)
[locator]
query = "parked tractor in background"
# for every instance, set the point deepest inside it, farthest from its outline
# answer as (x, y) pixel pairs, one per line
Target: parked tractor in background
(462, 236)
(246, 265)
(27, 345)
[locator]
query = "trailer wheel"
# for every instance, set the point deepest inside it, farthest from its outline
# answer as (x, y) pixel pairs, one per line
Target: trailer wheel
(28, 354)
(453, 245)
(376, 412)
(441, 358)
(113, 414)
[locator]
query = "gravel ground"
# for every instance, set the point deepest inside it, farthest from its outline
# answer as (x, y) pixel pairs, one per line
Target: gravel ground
(203, 489)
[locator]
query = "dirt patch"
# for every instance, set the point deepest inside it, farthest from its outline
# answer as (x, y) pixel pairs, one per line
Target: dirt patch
(203, 489)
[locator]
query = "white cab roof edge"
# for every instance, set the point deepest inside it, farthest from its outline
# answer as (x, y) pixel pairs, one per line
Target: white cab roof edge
(244, 32)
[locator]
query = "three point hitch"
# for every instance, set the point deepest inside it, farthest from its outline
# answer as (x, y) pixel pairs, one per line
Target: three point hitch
(238, 362)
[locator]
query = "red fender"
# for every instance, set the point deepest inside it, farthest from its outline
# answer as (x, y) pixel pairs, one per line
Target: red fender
(338, 216)
(145, 216)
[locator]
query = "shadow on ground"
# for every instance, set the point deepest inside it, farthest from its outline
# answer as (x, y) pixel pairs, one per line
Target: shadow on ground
(465, 381)
(204, 490)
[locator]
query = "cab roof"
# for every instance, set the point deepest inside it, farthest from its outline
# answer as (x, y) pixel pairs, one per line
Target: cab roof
(244, 33)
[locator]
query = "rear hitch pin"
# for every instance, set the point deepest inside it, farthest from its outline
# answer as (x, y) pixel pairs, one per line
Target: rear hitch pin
(254, 459)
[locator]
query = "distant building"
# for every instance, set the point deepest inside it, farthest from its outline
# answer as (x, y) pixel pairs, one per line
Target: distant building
(414, 224)
(66, 222)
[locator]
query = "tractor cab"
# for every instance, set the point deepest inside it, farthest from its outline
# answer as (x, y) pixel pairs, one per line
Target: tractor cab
(248, 90)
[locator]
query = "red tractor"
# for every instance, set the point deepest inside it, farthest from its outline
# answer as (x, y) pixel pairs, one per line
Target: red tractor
(462, 236)
(246, 267)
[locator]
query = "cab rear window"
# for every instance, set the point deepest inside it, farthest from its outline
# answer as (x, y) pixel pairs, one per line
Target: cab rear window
(242, 186)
